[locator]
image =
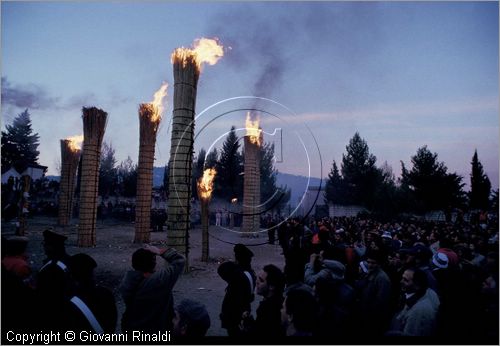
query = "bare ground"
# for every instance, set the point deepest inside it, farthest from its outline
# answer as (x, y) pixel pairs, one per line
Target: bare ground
(115, 247)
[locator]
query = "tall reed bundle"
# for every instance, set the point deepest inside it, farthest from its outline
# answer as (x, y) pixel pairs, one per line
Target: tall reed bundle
(251, 186)
(186, 74)
(149, 121)
(69, 164)
(94, 126)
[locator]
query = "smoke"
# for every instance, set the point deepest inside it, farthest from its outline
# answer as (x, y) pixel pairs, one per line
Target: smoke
(269, 39)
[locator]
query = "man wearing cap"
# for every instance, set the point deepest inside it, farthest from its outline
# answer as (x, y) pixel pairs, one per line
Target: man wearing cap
(239, 291)
(191, 319)
(91, 307)
(53, 282)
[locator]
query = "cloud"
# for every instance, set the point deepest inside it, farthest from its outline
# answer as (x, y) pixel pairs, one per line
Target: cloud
(399, 114)
(30, 96)
(36, 97)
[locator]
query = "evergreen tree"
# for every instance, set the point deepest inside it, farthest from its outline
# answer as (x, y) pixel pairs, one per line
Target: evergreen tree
(107, 171)
(19, 143)
(334, 187)
(433, 188)
(211, 159)
(229, 181)
(359, 173)
(480, 185)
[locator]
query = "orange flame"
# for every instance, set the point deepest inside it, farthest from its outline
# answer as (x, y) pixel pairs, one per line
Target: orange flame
(206, 183)
(75, 142)
(205, 50)
(253, 130)
(158, 100)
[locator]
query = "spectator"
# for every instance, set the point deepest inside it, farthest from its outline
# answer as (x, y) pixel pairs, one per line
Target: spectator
(148, 292)
(191, 319)
(270, 285)
(92, 307)
(419, 314)
(53, 282)
(16, 260)
(239, 290)
(374, 297)
(299, 313)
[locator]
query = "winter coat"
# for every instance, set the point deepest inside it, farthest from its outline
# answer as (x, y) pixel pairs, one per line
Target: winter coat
(149, 300)
(417, 318)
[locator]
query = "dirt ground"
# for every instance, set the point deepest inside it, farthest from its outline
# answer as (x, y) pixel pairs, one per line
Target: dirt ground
(115, 247)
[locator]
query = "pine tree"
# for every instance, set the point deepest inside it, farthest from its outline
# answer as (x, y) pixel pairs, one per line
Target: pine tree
(359, 172)
(229, 181)
(480, 186)
(334, 187)
(267, 172)
(19, 143)
(432, 186)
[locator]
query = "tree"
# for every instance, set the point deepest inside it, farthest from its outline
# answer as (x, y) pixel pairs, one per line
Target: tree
(359, 172)
(480, 185)
(198, 168)
(334, 187)
(107, 171)
(212, 158)
(432, 187)
(229, 181)
(19, 143)
(126, 174)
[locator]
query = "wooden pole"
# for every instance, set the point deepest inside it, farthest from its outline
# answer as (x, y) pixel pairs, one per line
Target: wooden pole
(205, 252)
(149, 121)
(94, 126)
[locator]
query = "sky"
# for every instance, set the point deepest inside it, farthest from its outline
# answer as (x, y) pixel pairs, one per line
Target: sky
(402, 74)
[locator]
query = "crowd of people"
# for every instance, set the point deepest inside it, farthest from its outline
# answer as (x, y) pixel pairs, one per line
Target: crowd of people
(345, 279)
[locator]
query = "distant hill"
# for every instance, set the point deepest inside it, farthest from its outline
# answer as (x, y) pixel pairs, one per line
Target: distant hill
(297, 183)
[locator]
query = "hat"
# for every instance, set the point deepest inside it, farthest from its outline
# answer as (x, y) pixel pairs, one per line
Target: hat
(440, 260)
(243, 251)
(387, 234)
(420, 249)
(340, 230)
(82, 265)
(336, 268)
(364, 266)
(49, 236)
(196, 316)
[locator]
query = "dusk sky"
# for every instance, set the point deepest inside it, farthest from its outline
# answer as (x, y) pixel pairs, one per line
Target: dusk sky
(402, 74)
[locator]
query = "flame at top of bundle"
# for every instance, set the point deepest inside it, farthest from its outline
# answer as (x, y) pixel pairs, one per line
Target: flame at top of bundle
(204, 50)
(158, 101)
(206, 183)
(253, 130)
(75, 142)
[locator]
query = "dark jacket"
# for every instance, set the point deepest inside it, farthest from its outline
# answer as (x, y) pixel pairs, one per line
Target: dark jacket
(238, 295)
(149, 300)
